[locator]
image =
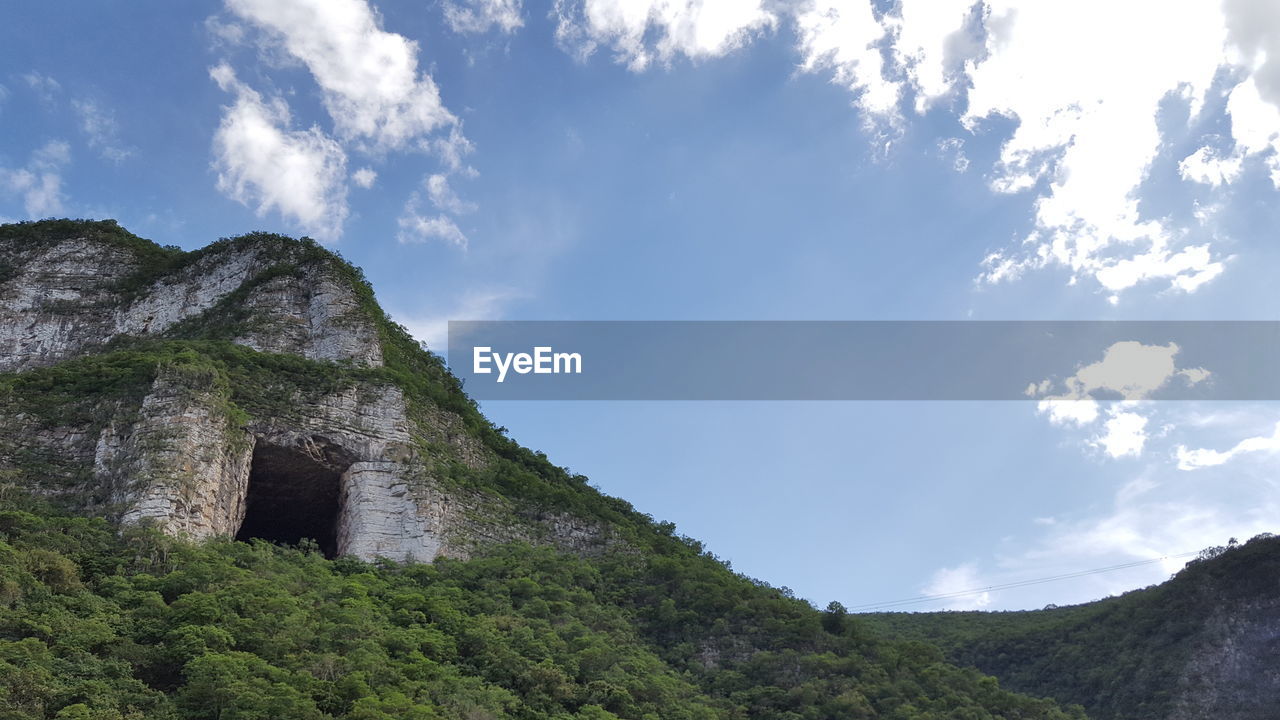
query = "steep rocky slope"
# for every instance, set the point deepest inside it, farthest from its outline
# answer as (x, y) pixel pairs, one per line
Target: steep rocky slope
(1204, 645)
(251, 387)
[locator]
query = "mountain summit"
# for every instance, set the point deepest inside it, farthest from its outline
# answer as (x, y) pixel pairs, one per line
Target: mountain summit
(254, 388)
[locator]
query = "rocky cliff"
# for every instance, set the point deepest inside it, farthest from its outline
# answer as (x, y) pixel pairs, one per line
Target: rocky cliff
(253, 388)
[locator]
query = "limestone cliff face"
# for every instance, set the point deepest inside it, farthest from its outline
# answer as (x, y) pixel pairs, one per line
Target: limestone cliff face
(357, 465)
(65, 298)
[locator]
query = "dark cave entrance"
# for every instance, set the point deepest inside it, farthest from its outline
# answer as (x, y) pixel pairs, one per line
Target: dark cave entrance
(292, 496)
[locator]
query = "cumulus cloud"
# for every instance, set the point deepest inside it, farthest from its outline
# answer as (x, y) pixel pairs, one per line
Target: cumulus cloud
(934, 40)
(1128, 370)
(263, 163)
(844, 39)
(479, 16)
(1255, 125)
(1063, 411)
(1124, 434)
(364, 177)
(1083, 82)
(101, 130)
(641, 31)
(39, 182)
(1087, 134)
(1195, 459)
(371, 84)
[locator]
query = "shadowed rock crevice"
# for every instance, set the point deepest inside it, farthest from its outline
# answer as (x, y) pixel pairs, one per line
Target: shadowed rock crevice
(292, 496)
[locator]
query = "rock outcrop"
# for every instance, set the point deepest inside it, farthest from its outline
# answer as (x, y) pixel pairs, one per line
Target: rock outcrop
(304, 433)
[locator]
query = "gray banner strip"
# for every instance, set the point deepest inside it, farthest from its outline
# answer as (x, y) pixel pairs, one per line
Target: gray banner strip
(867, 360)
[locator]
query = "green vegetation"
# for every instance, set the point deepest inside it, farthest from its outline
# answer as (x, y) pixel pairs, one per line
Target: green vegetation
(98, 625)
(84, 392)
(1121, 658)
(104, 625)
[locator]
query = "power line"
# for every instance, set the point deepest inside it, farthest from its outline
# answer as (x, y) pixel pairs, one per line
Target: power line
(1017, 584)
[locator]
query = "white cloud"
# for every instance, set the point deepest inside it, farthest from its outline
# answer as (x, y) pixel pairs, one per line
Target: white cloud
(371, 84)
(933, 42)
(1084, 82)
(101, 130)
(479, 16)
(1202, 458)
(417, 228)
(1129, 369)
(1125, 434)
(45, 87)
(365, 177)
(844, 38)
(443, 196)
(961, 588)
(1068, 412)
(1208, 166)
(1253, 27)
(1255, 125)
(1087, 134)
(640, 31)
(262, 162)
(39, 182)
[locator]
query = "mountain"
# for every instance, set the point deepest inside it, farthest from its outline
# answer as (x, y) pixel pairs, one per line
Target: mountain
(1205, 644)
(232, 488)
(255, 387)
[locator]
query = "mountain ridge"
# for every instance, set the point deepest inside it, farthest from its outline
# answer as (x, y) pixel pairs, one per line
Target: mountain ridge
(173, 423)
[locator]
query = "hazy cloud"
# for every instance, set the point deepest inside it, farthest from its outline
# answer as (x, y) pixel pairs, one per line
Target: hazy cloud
(39, 182)
(101, 130)
(960, 583)
(1194, 459)
(416, 227)
(479, 16)
(443, 196)
(44, 86)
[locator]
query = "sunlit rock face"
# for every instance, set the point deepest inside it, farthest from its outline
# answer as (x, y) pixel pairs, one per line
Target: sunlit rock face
(356, 467)
(65, 298)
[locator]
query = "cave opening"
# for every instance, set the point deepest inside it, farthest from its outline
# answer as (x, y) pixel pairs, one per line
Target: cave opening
(292, 496)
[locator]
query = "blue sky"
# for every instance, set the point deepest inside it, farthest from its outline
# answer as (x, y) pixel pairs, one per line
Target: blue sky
(739, 159)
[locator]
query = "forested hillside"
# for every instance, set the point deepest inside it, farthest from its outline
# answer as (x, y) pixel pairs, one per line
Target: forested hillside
(150, 391)
(1206, 644)
(95, 624)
